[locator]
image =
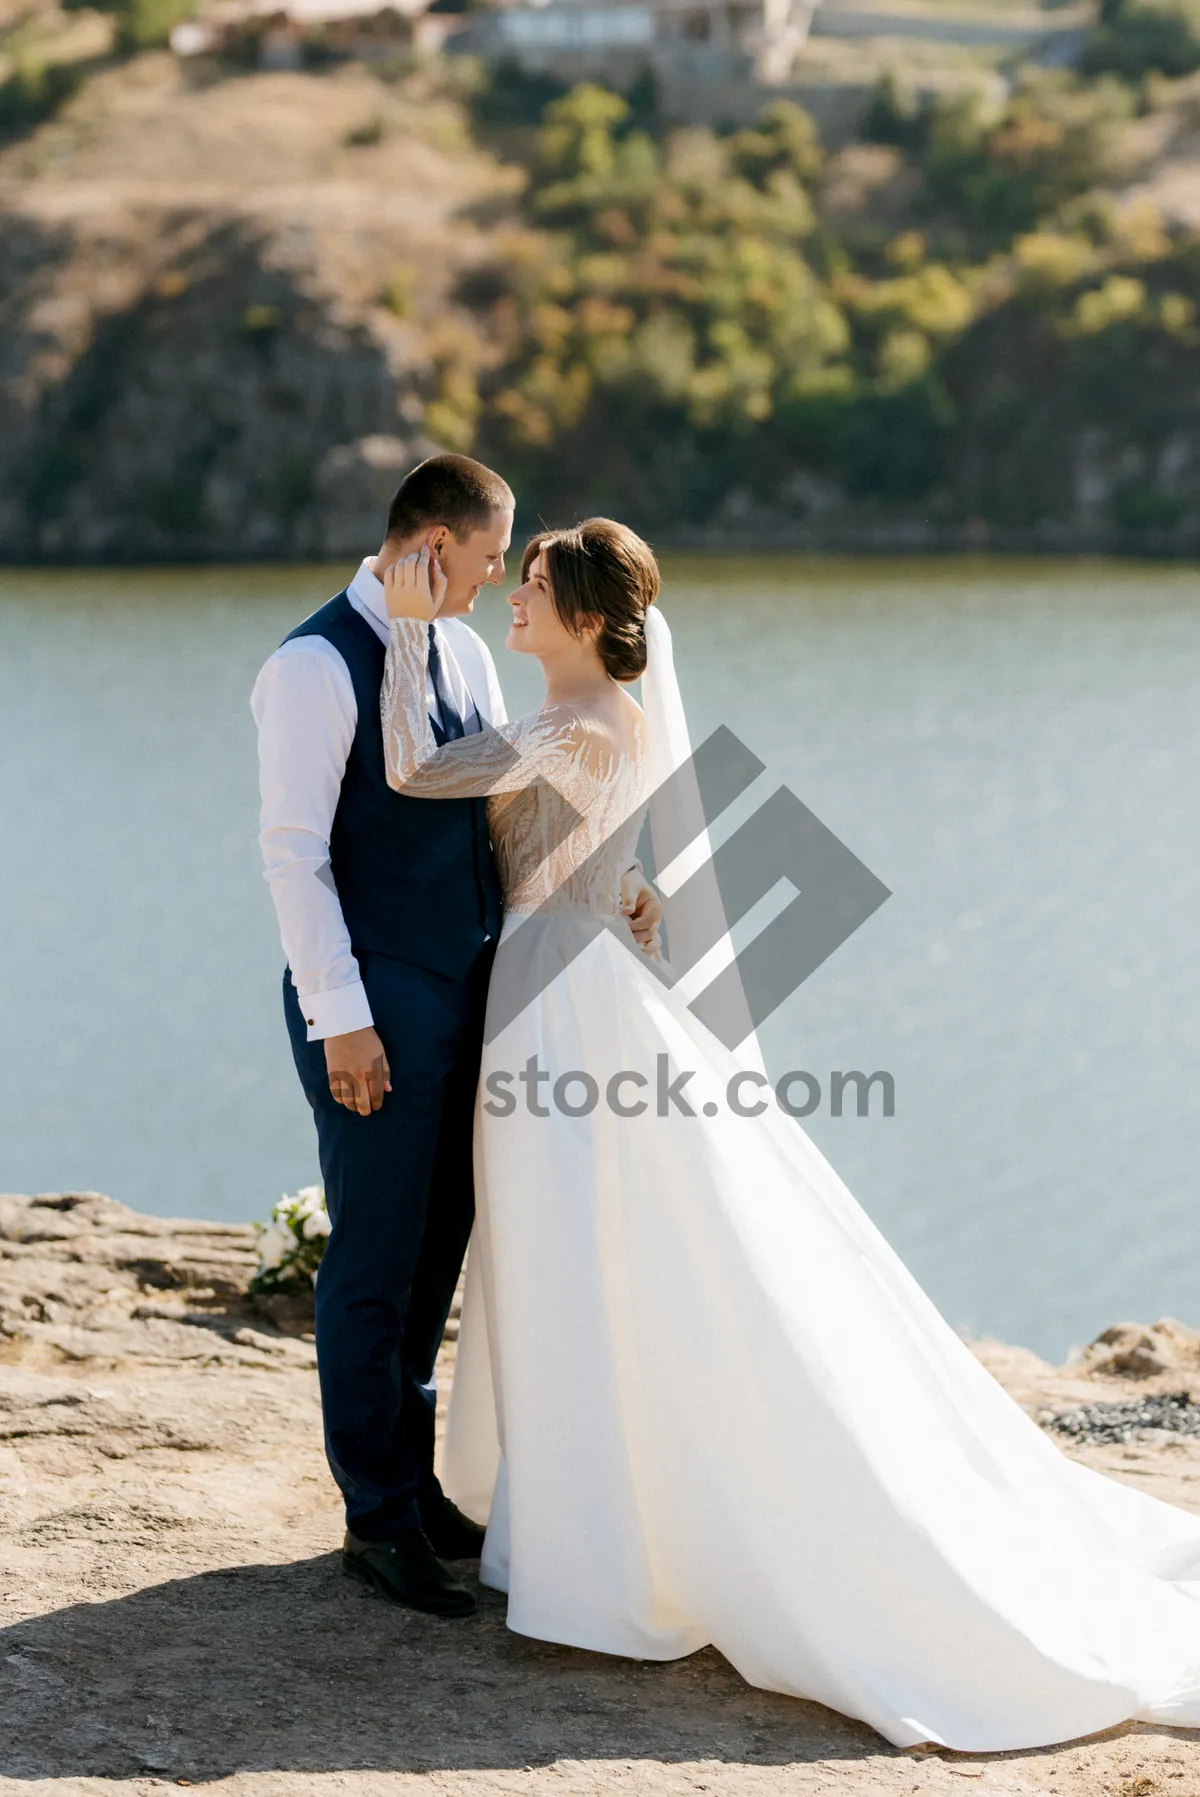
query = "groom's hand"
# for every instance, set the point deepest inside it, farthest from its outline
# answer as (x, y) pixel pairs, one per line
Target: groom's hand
(415, 587)
(359, 1074)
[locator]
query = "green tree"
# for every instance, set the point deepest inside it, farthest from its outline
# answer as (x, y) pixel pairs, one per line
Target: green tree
(1137, 37)
(1004, 169)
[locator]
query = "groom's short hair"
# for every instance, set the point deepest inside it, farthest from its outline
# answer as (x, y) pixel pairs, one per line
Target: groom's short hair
(452, 490)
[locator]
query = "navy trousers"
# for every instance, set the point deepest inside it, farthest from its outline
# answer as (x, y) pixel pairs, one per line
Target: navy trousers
(401, 1201)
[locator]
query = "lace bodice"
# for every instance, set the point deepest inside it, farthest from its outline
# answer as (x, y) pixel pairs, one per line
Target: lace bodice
(561, 793)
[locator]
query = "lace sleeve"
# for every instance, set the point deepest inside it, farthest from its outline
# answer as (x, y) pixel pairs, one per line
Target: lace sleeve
(518, 755)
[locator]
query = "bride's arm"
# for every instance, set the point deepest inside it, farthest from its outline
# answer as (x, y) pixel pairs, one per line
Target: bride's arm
(517, 755)
(501, 760)
(549, 746)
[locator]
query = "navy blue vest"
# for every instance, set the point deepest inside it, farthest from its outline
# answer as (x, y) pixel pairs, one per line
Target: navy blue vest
(415, 877)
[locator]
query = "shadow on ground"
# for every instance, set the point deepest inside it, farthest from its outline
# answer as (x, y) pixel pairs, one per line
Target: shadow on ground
(278, 1668)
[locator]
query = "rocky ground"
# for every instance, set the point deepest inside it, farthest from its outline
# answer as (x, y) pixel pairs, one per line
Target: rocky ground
(172, 1612)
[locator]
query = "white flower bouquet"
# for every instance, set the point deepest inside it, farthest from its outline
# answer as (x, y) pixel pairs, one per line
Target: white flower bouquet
(290, 1246)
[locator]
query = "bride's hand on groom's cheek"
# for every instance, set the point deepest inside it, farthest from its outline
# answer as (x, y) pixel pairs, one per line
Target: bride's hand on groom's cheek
(415, 587)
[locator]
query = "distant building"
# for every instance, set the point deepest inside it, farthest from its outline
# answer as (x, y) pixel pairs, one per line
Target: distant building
(713, 57)
(705, 40)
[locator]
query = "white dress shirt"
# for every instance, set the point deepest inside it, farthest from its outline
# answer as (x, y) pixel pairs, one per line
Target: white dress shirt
(304, 706)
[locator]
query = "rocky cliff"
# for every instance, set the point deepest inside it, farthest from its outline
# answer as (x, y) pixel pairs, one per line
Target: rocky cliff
(171, 1611)
(210, 293)
(238, 303)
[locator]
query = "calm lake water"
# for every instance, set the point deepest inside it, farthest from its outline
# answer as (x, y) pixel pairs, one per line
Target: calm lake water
(1010, 746)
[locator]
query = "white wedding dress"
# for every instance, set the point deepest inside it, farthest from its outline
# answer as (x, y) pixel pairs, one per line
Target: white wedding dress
(698, 1399)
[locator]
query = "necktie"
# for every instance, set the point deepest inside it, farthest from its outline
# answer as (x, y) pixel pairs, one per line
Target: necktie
(452, 719)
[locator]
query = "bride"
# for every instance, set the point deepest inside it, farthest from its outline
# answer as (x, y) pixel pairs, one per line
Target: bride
(698, 1399)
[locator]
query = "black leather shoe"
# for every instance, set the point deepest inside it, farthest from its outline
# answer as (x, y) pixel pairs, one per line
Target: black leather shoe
(406, 1571)
(448, 1532)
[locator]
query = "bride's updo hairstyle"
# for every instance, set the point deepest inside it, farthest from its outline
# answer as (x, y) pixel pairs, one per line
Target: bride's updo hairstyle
(601, 570)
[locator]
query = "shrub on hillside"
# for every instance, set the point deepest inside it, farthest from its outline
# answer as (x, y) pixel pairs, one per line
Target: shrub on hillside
(507, 94)
(1004, 169)
(895, 115)
(34, 93)
(1135, 38)
(145, 24)
(141, 24)
(672, 329)
(673, 292)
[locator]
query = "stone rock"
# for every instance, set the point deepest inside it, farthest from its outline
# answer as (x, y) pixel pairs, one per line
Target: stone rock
(1135, 1351)
(83, 1278)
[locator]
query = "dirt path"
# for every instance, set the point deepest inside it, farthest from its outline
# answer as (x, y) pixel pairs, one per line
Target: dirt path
(172, 1611)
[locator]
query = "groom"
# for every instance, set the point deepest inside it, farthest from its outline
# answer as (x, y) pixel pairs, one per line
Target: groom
(389, 908)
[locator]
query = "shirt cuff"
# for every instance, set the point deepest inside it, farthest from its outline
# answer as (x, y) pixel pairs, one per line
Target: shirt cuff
(336, 1013)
